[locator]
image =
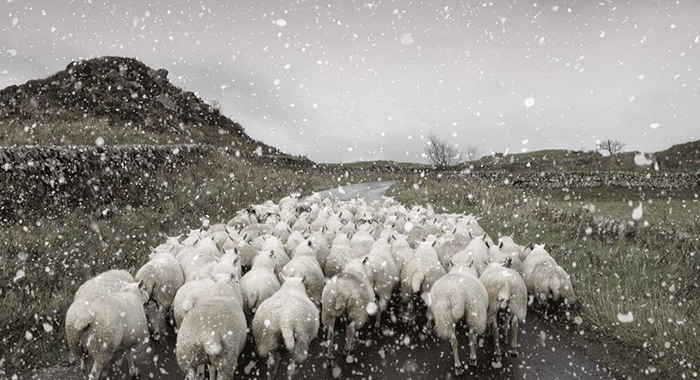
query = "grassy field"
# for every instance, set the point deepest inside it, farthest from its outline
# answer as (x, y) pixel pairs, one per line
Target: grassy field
(612, 278)
(669, 209)
(43, 261)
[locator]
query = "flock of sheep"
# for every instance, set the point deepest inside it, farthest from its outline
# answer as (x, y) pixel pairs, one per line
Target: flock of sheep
(346, 258)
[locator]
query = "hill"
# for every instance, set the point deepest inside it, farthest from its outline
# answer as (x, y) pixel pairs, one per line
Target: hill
(678, 158)
(121, 100)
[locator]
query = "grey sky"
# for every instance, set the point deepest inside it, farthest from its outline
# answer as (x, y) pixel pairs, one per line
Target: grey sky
(344, 81)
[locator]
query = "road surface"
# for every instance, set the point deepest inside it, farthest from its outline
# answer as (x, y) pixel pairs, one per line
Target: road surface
(401, 349)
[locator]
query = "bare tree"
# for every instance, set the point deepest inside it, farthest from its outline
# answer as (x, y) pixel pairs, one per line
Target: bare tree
(470, 153)
(611, 146)
(440, 153)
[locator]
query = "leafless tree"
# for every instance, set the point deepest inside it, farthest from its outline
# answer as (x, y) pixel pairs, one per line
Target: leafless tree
(440, 153)
(470, 153)
(611, 146)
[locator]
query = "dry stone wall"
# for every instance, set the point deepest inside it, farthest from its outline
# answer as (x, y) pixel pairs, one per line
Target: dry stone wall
(593, 179)
(46, 179)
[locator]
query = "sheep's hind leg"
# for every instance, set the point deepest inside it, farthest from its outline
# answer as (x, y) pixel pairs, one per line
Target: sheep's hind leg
(160, 321)
(331, 335)
(472, 347)
(84, 364)
(133, 370)
(350, 337)
(272, 362)
(513, 346)
(496, 340)
(455, 351)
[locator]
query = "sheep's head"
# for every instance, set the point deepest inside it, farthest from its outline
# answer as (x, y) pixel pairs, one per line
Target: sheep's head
(139, 288)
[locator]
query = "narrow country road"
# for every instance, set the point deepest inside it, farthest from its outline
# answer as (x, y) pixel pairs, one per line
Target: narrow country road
(401, 349)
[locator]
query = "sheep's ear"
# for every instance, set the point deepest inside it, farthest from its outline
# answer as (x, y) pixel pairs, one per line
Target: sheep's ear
(365, 260)
(152, 249)
(531, 246)
(500, 245)
(454, 231)
(272, 253)
(470, 235)
(303, 278)
(283, 277)
(452, 263)
(507, 263)
(487, 244)
(324, 228)
(234, 277)
(470, 263)
(289, 230)
(310, 243)
(236, 261)
(434, 243)
(142, 285)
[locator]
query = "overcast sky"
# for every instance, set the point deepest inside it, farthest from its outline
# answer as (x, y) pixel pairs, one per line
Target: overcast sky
(360, 80)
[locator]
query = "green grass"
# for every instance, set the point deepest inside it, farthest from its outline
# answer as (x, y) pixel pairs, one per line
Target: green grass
(669, 209)
(658, 287)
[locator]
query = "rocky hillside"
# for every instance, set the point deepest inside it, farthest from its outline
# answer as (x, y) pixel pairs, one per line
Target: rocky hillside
(120, 98)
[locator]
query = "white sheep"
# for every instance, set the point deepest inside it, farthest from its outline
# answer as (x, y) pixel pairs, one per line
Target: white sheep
(496, 255)
(192, 293)
(290, 317)
(507, 293)
(347, 293)
(110, 281)
(477, 250)
(338, 258)
(545, 279)
(261, 282)
(97, 325)
(162, 276)
(420, 273)
(213, 333)
(456, 296)
(305, 265)
(382, 274)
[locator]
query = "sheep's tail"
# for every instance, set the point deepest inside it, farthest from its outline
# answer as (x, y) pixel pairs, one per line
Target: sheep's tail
(444, 317)
(252, 301)
(187, 304)
(341, 300)
(417, 281)
(504, 297)
(288, 336)
(213, 345)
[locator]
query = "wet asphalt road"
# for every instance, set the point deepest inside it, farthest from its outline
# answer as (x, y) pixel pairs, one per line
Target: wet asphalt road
(401, 349)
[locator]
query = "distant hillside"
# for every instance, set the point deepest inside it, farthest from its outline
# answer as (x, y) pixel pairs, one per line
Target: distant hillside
(121, 100)
(678, 158)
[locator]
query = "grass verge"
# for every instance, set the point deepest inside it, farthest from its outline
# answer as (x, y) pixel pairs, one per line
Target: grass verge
(614, 278)
(43, 260)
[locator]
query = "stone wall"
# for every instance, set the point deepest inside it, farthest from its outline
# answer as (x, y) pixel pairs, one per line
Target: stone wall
(46, 179)
(593, 179)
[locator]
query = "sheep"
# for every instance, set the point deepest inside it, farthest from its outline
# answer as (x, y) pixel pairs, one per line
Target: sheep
(304, 264)
(496, 255)
(214, 332)
(162, 276)
(545, 279)
(338, 258)
(228, 263)
(260, 283)
(507, 292)
(193, 293)
(447, 249)
(420, 273)
(110, 281)
(401, 251)
(456, 296)
(289, 316)
(99, 324)
(347, 293)
(382, 274)
(477, 250)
